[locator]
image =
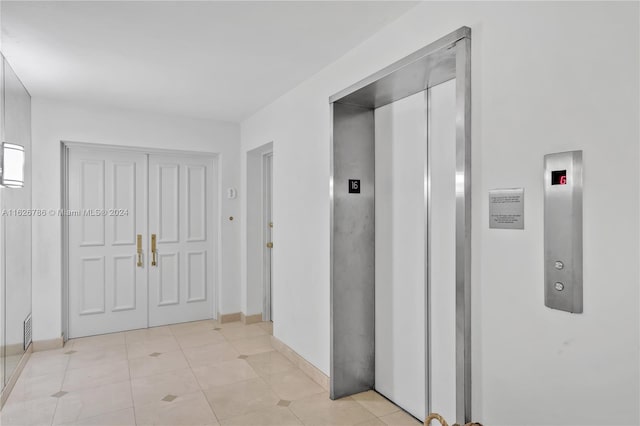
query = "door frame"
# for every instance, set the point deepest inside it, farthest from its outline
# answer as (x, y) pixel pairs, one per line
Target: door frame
(352, 278)
(66, 146)
(254, 234)
(267, 212)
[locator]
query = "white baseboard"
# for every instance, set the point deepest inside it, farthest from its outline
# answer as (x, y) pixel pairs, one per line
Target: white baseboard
(225, 318)
(250, 319)
(4, 394)
(309, 369)
(46, 345)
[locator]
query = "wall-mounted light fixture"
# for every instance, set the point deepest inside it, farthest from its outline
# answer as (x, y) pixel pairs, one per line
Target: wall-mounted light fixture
(12, 164)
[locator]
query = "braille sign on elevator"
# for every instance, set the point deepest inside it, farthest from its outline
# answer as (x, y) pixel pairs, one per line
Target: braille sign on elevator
(506, 208)
(354, 186)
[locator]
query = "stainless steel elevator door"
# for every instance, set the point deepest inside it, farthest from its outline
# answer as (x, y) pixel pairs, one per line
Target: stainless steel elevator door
(401, 268)
(399, 230)
(442, 264)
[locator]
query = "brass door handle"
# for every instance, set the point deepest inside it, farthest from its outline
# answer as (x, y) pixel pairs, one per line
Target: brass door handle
(139, 249)
(269, 245)
(154, 250)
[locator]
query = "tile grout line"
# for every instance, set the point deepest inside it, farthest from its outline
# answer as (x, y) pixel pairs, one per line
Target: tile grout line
(196, 378)
(102, 349)
(200, 386)
(133, 404)
(230, 342)
(64, 378)
(288, 407)
(382, 396)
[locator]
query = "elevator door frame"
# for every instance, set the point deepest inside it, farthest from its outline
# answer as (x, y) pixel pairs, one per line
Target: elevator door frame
(352, 236)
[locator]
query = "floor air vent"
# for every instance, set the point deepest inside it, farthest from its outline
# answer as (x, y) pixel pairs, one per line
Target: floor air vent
(27, 332)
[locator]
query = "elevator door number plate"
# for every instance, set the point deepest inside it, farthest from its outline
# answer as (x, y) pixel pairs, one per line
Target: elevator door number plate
(354, 186)
(506, 208)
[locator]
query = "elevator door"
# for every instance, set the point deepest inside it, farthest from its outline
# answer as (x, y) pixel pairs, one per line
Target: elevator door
(401, 256)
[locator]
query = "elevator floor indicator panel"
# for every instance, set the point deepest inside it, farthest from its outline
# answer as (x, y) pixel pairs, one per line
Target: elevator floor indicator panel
(563, 231)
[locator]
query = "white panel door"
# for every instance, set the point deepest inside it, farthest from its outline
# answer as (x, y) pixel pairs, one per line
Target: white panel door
(181, 212)
(107, 193)
(400, 153)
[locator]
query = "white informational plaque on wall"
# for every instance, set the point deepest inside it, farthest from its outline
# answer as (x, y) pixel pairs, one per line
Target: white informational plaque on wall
(506, 208)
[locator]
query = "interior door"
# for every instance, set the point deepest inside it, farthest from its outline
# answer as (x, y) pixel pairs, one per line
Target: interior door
(107, 210)
(181, 211)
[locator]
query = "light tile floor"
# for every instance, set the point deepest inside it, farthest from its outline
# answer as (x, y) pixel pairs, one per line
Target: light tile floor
(198, 373)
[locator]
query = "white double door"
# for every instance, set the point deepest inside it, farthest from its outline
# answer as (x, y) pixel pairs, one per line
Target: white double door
(118, 202)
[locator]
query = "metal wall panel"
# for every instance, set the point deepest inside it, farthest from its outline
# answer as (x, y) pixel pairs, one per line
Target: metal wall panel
(563, 232)
(353, 252)
(463, 230)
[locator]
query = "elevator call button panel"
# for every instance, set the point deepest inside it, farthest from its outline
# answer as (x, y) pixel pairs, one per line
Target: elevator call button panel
(563, 231)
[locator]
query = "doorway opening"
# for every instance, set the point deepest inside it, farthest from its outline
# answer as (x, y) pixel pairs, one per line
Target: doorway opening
(260, 230)
(403, 135)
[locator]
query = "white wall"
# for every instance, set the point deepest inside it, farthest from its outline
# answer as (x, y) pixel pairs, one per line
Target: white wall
(54, 122)
(547, 77)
